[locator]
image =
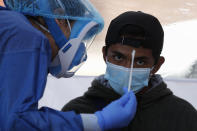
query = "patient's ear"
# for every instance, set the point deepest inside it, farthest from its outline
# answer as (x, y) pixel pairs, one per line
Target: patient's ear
(104, 53)
(158, 65)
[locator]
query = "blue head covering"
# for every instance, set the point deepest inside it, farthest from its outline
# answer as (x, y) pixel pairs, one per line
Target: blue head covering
(58, 9)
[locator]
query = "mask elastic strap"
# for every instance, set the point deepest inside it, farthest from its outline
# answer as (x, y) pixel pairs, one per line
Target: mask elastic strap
(151, 70)
(69, 25)
(131, 70)
(63, 7)
(41, 26)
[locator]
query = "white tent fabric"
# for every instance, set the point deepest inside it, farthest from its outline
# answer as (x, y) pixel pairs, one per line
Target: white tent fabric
(60, 91)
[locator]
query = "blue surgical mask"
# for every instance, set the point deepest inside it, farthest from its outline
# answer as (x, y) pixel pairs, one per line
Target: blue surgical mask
(118, 77)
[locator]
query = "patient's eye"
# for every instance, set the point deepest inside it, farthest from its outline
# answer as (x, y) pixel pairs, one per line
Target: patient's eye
(140, 62)
(117, 57)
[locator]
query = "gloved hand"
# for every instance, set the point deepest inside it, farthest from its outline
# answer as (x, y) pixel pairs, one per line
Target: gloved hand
(119, 113)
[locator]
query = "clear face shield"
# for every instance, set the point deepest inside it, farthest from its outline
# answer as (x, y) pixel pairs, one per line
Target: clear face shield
(73, 54)
(81, 55)
(72, 51)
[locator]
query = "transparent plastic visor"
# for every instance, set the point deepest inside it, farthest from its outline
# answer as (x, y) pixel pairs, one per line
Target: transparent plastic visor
(87, 44)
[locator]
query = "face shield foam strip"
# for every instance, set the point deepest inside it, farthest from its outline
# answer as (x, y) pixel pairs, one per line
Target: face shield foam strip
(131, 70)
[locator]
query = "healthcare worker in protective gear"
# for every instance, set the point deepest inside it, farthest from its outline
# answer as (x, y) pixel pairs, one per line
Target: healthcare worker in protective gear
(38, 37)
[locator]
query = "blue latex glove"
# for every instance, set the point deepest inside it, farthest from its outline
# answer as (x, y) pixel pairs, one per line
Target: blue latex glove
(119, 113)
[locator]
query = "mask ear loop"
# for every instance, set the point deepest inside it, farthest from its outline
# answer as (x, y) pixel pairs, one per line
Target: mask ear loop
(41, 26)
(63, 7)
(69, 25)
(131, 70)
(151, 69)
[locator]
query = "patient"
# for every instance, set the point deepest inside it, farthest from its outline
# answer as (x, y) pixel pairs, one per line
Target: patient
(139, 36)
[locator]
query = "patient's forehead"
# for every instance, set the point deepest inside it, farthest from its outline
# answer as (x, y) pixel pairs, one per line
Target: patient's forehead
(127, 50)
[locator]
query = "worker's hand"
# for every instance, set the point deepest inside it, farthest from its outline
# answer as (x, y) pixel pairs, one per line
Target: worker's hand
(119, 113)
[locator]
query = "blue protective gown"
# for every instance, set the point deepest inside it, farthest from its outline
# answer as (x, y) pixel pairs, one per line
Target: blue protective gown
(25, 54)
